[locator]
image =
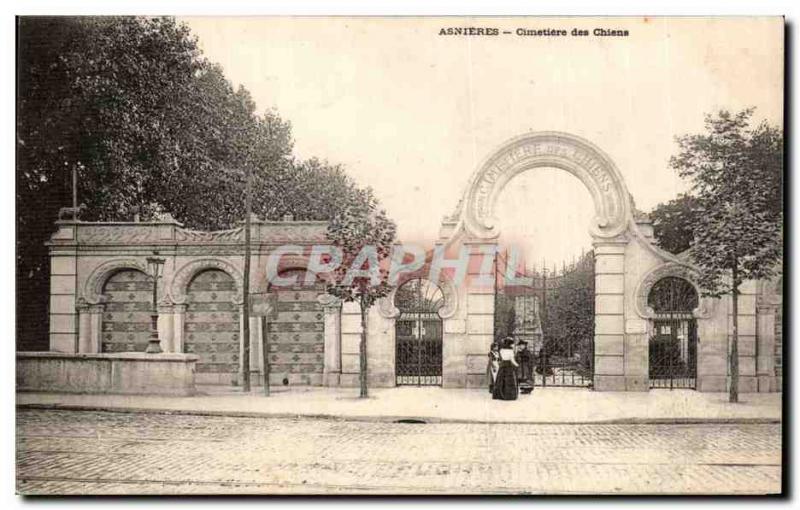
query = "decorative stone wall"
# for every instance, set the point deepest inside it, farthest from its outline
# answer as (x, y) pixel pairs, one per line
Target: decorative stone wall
(89, 294)
(86, 256)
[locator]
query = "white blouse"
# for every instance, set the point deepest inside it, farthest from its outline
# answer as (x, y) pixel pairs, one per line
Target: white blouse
(507, 354)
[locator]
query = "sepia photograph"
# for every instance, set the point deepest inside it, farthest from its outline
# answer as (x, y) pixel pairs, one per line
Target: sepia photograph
(399, 255)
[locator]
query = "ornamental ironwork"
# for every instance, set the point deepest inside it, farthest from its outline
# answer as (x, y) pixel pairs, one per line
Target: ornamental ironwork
(418, 333)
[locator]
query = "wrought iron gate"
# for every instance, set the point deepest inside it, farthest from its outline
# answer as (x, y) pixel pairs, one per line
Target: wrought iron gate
(554, 315)
(673, 343)
(418, 334)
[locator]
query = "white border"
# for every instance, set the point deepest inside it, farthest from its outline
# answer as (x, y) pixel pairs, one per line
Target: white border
(789, 8)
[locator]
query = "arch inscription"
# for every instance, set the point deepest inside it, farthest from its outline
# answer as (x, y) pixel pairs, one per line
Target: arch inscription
(548, 149)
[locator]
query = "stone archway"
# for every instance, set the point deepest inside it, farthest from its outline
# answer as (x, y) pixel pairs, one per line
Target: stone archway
(612, 228)
(567, 152)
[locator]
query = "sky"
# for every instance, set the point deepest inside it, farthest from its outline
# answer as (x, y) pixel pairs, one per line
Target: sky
(412, 113)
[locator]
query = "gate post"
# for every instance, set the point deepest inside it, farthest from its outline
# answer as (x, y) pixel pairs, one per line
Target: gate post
(332, 368)
(609, 318)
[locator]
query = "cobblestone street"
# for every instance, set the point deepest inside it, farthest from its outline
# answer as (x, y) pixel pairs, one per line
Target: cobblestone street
(73, 452)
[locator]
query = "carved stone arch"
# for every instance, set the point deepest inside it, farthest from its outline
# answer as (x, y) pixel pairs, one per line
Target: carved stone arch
(93, 288)
(567, 152)
(388, 310)
(184, 275)
(662, 271)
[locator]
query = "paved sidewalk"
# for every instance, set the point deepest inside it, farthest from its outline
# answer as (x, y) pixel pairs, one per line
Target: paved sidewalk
(550, 405)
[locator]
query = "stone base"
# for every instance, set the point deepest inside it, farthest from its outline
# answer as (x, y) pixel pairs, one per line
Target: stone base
(721, 383)
(373, 381)
(637, 383)
(331, 379)
(130, 373)
(381, 380)
(712, 383)
(767, 384)
(284, 379)
(748, 384)
(477, 381)
(455, 380)
(231, 379)
(349, 381)
(609, 383)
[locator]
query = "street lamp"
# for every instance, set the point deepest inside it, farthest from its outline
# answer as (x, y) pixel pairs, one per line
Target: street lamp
(154, 265)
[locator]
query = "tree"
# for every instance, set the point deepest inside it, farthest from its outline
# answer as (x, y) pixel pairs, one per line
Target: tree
(569, 318)
(736, 173)
(365, 236)
(673, 223)
(150, 126)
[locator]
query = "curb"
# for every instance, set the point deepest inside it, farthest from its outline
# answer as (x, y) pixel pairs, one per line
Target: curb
(393, 419)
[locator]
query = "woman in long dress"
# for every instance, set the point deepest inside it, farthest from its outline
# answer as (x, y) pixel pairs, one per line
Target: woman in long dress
(493, 365)
(505, 386)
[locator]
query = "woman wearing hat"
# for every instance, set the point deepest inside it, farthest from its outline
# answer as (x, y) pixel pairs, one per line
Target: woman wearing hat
(505, 386)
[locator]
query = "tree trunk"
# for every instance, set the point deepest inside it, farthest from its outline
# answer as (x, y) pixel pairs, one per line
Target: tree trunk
(734, 390)
(362, 352)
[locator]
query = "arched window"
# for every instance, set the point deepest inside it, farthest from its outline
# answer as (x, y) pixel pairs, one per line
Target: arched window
(419, 296)
(672, 295)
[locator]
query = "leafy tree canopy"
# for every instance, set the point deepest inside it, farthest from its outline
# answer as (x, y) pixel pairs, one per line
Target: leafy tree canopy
(673, 223)
(736, 171)
(151, 126)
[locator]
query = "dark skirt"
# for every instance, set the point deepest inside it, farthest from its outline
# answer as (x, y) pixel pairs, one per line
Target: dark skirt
(505, 387)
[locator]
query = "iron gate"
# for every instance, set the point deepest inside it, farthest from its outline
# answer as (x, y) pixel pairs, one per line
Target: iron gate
(554, 315)
(418, 334)
(673, 342)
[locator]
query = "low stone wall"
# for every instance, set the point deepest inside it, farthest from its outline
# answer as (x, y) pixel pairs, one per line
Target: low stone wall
(131, 373)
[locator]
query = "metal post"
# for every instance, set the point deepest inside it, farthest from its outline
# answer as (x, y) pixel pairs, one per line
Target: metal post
(154, 344)
(74, 193)
(246, 284)
(543, 350)
(265, 355)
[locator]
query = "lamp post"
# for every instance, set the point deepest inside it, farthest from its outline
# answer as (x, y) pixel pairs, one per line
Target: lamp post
(154, 265)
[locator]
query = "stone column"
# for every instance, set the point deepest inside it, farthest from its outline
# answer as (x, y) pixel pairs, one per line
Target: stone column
(96, 328)
(609, 320)
(256, 358)
(332, 369)
(765, 349)
(748, 381)
(477, 331)
(84, 328)
(64, 334)
(178, 322)
(240, 377)
(165, 327)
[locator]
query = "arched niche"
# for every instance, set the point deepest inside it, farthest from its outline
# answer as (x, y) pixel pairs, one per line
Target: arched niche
(93, 288)
(184, 275)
